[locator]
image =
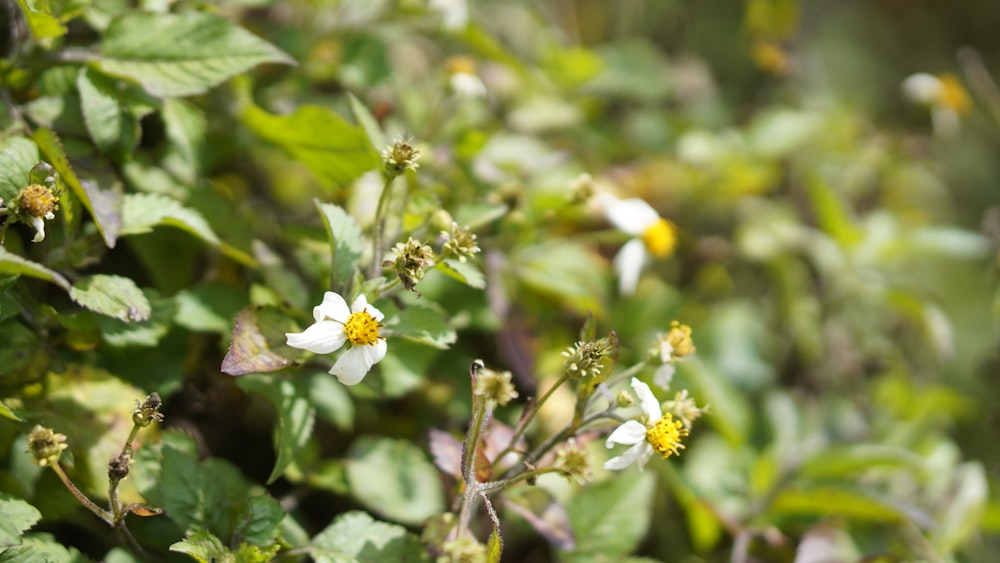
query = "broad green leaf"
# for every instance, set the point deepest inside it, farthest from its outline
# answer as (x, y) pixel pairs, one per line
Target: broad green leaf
(41, 548)
(842, 462)
(208, 308)
(368, 123)
(251, 349)
(356, 536)
(296, 417)
(202, 546)
(565, 271)
(17, 157)
(113, 296)
(855, 504)
(279, 277)
(394, 478)
(13, 264)
(104, 205)
(345, 237)
(142, 212)
(332, 401)
(181, 54)
(185, 129)
(247, 553)
(114, 129)
(333, 149)
(610, 518)
(18, 517)
(41, 23)
(465, 272)
(148, 332)
(260, 520)
(422, 323)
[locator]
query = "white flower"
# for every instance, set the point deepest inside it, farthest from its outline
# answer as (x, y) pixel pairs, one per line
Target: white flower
(337, 325)
(657, 432)
(467, 85)
(653, 235)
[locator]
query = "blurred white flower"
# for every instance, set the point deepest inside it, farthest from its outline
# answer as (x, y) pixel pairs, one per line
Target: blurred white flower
(653, 235)
(653, 432)
(463, 79)
(454, 13)
(335, 326)
(943, 94)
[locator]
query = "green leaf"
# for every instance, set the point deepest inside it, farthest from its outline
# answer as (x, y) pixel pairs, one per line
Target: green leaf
(332, 401)
(202, 546)
(565, 271)
(41, 548)
(113, 296)
(104, 205)
(114, 130)
(251, 348)
(185, 128)
(345, 237)
(14, 264)
(494, 547)
(17, 157)
(356, 536)
(368, 122)
(7, 413)
(142, 212)
(296, 417)
(423, 323)
(260, 520)
(333, 149)
(843, 461)
(148, 332)
(279, 277)
(208, 308)
(832, 212)
(181, 54)
(42, 24)
(18, 517)
(855, 504)
(963, 509)
(394, 478)
(465, 272)
(610, 518)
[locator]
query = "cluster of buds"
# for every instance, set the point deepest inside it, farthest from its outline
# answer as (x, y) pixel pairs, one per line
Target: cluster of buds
(410, 260)
(587, 359)
(400, 156)
(45, 446)
(459, 242)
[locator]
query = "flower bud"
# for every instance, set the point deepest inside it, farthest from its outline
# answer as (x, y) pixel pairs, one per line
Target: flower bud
(587, 359)
(33, 205)
(399, 157)
(143, 415)
(459, 242)
(410, 260)
(45, 445)
(495, 387)
(573, 462)
(118, 467)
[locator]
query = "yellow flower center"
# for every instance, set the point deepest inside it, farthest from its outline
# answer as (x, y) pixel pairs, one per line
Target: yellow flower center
(953, 94)
(665, 435)
(660, 238)
(679, 338)
(361, 329)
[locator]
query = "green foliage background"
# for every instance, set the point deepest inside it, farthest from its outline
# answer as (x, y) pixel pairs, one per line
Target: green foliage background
(218, 166)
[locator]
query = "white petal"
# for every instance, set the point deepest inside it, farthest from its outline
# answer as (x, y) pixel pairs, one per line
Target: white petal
(39, 224)
(333, 307)
(320, 338)
(632, 216)
(628, 265)
(361, 304)
(630, 432)
(664, 376)
(467, 85)
(647, 400)
(355, 363)
(638, 452)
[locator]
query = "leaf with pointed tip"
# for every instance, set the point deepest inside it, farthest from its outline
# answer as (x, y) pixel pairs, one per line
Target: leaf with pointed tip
(464, 272)
(356, 536)
(11, 263)
(114, 129)
(423, 323)
(42, 24)
(114, 296)
(181, 54)
(18, 517)
(7, 413)
(251, 350)
(142, 212)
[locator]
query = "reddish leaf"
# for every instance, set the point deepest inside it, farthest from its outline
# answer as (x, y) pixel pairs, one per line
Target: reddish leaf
(250, 351)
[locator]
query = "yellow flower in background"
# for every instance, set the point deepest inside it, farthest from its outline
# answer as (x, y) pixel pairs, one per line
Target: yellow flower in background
(337, 325)
(655, 431)
(653, 236)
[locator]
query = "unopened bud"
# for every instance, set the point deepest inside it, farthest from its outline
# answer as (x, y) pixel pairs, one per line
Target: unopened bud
(45, 445)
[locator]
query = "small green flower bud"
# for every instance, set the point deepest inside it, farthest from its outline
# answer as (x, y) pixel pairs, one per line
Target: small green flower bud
(399, 157)
(459, 242)
(143, 415)
(582, 188)
(624, 400)
(441, 220)
(587, 359)
(573, 462)
(410, 260)
(495, 387)
(45, 445)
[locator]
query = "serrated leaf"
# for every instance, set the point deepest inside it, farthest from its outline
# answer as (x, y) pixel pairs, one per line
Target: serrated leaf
(296, 417)
(17, 157)
(345, 237)
(367, 122)
(611, 518)
(394, 478)
(356, 536)
(333, 149)
(18, 517)
(260, 520)
(142, 212)
(250, 350)
(181, 54)
(104, 205)
(13, 264)
(464, 272)
(114, 296)
(202, 546)
(425, 324)
(113, 130)
(42, 24)
(41, 548)
(147, 332)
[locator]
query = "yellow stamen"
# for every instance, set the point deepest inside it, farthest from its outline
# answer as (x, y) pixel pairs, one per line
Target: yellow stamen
(665, 436)
(361, 329)
(679, 338)
(953, 94)
(660, 238)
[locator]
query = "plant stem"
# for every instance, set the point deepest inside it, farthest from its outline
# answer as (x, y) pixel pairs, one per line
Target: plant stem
(522, 426)
(100, 512)
(479, 419)
(383, 200)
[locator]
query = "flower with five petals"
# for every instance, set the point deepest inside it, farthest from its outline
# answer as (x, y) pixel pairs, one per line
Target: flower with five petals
(655, 431)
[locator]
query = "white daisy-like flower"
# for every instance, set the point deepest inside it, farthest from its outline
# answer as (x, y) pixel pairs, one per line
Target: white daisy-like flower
(653, 236)
(337, 325)
(655, 431)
